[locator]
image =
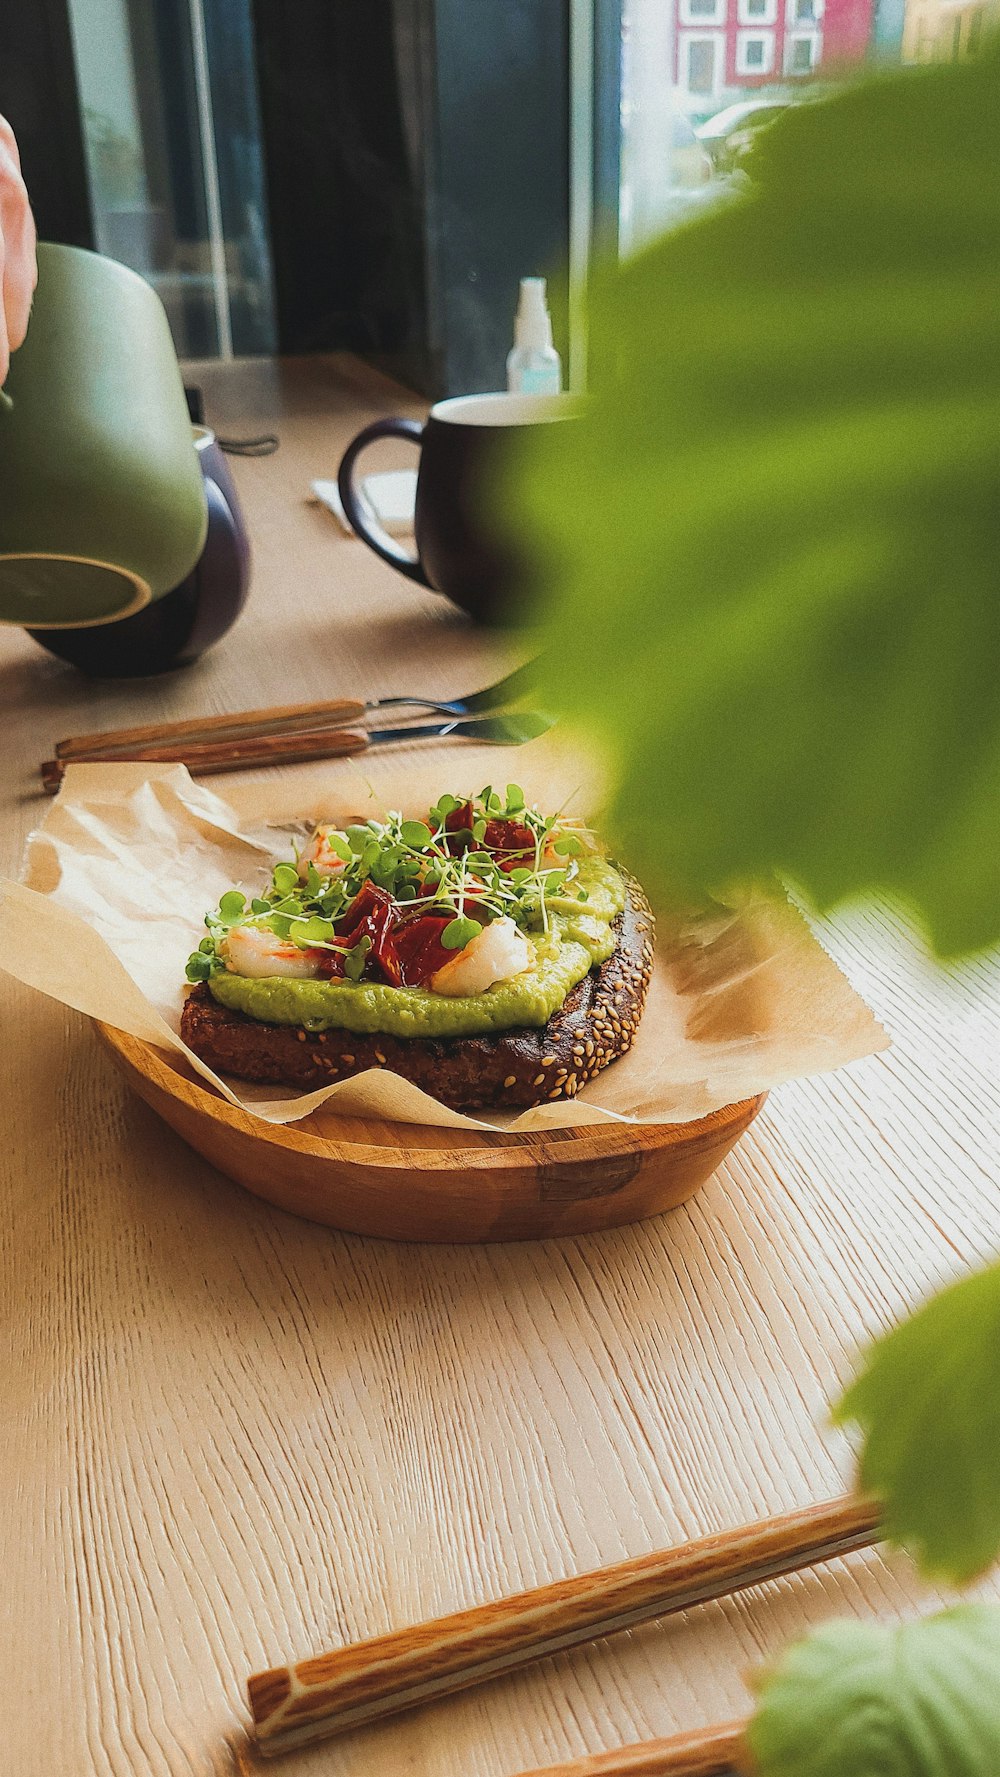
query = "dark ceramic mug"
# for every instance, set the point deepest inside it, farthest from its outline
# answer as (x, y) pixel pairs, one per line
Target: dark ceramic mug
(187, 620)
(461, 550)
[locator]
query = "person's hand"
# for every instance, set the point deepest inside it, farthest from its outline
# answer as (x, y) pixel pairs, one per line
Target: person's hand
(18, 271)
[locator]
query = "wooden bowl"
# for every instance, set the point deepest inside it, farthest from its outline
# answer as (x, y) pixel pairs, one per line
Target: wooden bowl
(411, 1182)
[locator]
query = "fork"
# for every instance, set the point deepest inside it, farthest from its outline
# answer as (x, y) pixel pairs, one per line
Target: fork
(494, 697)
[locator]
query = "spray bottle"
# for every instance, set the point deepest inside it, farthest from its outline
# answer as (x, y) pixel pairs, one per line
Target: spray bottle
(534, 366)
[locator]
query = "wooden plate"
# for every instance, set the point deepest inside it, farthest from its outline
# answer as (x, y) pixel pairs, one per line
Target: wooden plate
(411, 1182)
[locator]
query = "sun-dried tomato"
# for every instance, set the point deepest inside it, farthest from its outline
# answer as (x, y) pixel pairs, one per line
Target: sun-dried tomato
(417, 948)
(458, 827)
(371, 915)
(406, 946)
(330, 964)
(368, 900)
(511, 842)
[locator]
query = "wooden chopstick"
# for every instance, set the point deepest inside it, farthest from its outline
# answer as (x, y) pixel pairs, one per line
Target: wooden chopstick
(292, 1705)
(207, 757)
(708, 1752)
(239, 724)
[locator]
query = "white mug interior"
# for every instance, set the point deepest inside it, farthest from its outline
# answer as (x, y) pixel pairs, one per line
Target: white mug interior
(502, 409)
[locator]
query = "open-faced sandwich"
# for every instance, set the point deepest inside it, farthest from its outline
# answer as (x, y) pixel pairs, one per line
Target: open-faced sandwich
(491, 954)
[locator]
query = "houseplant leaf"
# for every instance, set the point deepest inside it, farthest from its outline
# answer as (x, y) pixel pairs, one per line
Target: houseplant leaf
(772, 537)
(867, 1700)
(928, 1402)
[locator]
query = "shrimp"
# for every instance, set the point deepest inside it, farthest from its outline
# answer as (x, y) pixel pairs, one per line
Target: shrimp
(493, 955)
(256, 952)
(321, 855)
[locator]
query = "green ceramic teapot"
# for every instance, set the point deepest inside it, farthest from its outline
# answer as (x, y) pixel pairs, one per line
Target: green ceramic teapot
(102, 502)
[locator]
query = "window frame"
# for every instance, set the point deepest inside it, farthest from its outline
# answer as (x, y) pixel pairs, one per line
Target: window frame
(800, 34)
(757, 35)
(686, 41)
(795, 22)
(701, 21)
(757, 20)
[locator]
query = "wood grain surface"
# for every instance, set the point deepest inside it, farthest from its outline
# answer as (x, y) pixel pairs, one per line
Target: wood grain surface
(231, 1437)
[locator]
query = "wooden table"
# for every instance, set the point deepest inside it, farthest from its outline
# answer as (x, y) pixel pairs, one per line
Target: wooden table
(232, 1437)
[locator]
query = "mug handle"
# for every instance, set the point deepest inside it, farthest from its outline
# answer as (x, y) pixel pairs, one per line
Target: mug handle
(369, 530)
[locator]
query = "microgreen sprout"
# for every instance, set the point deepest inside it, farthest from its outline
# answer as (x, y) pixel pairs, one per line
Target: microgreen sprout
(354, 961)
(459, 932)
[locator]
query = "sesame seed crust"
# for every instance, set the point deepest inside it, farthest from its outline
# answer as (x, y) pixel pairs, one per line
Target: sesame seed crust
(595, 1024)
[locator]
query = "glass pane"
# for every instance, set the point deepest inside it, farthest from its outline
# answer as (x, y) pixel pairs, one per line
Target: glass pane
(701, 78)
(700, 65)
(174, 161)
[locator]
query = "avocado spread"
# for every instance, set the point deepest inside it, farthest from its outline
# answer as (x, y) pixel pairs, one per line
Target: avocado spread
(579, 936)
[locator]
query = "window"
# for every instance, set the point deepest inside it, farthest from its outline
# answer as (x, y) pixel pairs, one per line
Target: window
(730, 90)
(173, 144)
(802, 52)
(758, 12)
(701, 59)
(703, 12)
(805, 12)
(754, 52)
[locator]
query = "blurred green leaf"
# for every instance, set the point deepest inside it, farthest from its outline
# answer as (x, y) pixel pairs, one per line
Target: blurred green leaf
(928, 1403)
(865, 1700)
(774, 534)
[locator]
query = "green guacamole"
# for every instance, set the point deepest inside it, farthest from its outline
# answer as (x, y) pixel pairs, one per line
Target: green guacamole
(579, 936)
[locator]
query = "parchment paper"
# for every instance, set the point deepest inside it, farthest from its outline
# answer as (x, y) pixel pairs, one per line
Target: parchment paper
(119, 875)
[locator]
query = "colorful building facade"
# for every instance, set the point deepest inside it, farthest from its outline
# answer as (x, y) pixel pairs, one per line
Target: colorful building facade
(726, 50)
